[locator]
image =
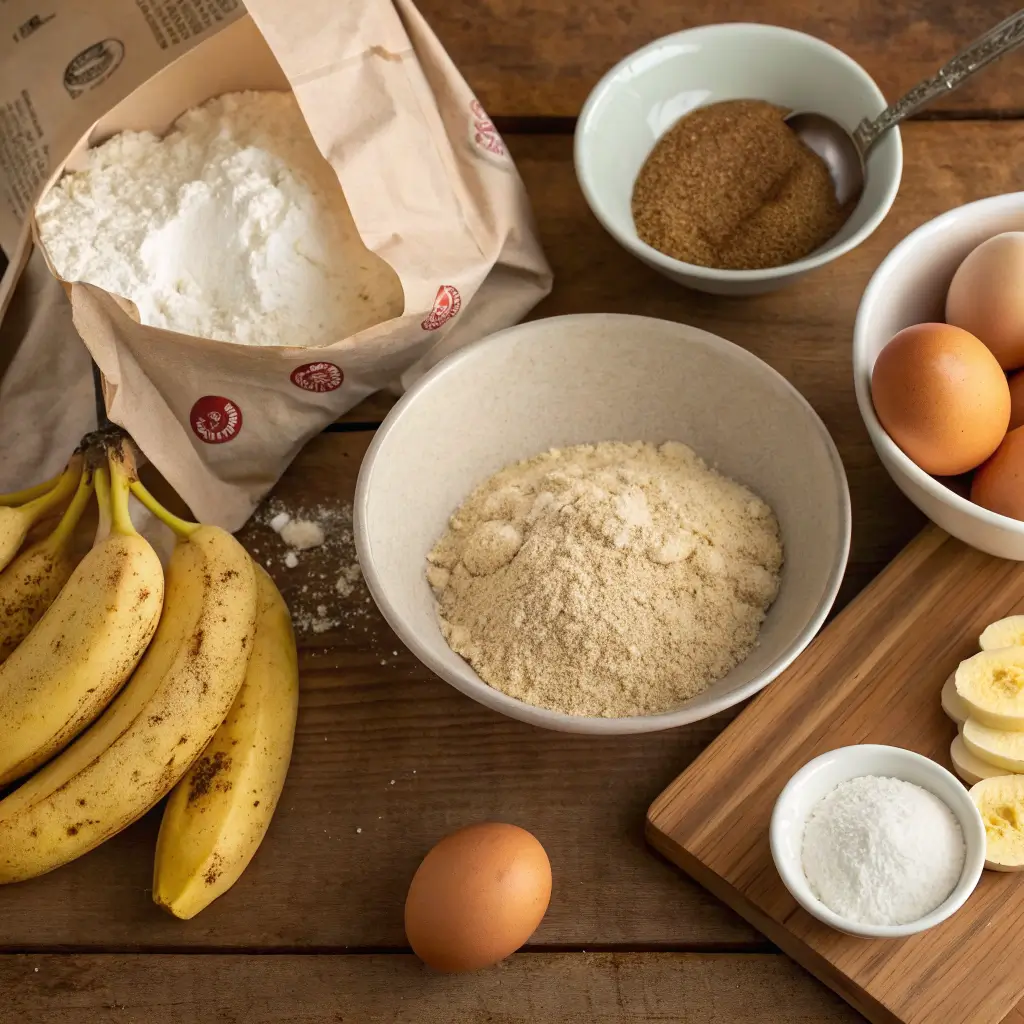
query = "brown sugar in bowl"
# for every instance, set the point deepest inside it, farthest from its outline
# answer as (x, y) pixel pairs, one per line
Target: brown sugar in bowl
(730, 186)
(643, 96)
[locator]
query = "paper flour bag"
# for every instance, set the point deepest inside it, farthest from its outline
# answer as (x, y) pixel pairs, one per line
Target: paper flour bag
(47, 399)
(430, 220)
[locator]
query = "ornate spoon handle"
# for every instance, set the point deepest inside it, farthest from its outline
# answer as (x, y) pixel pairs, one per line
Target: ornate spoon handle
(993, 44)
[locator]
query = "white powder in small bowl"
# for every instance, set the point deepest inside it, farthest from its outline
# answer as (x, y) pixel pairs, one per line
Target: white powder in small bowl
(882, 851)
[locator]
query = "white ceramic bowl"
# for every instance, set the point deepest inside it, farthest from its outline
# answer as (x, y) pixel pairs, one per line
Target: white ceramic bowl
(587, 378)
(909, 287)
(647, 92)
(821, 776)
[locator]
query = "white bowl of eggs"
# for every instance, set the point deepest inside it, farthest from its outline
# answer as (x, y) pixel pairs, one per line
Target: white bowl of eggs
(938, 362)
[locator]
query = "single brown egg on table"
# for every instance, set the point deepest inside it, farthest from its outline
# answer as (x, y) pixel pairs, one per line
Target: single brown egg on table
(478, 895)
(942, 397)
(998, 485)
(986, 297)
(1016, 382)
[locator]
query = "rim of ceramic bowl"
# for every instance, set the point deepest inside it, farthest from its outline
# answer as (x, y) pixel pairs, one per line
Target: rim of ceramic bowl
(874, 295)
(974, 855)
(554, 720)
(647, 252)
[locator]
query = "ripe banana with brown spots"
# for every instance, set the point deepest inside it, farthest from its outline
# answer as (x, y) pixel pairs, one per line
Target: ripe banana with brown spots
(158, 725)
(218, 814)
(84, 647)
(17, 519)
(31, 583)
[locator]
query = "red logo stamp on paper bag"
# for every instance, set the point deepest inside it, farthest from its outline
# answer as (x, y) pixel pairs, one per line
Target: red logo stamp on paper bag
(215, 419)
(318, 377)
(447, 303)
(485, 135)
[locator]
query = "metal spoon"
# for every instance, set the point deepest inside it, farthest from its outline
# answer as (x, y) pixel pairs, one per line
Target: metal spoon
(845, 153)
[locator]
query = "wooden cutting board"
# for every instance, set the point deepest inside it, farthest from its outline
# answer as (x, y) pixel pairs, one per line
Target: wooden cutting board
(873, 676)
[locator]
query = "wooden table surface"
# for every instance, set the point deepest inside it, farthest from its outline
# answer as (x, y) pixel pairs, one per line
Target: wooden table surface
(388, 758)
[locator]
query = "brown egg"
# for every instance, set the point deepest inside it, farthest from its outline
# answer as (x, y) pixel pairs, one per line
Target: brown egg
(477, 897)
(986, 297)
(998, 485)
(941, 396)
(1016, 382)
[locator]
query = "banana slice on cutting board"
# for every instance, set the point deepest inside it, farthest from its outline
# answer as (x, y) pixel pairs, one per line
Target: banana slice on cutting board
(1008, 632)
(952, 703)
(971, 768)
(996, 746)
(1001, 803)
(991, 685)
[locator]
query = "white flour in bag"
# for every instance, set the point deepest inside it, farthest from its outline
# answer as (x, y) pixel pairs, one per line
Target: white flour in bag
(231, 227)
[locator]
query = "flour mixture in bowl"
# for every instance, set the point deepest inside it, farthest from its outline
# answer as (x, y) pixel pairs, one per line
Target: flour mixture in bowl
(606, 580)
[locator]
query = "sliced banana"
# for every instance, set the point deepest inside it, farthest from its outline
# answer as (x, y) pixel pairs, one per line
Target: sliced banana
(1001, 803)
(991, 685)
(971, 768)
(952, 703)
(1008, 632)
(996, 746)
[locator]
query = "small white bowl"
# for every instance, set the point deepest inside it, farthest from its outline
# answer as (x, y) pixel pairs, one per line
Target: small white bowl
(647, 92)
(820, 776)
(587, 378)
(909, 287)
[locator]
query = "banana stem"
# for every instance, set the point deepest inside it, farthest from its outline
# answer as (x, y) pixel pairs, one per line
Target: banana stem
(181, 527)
(66, 484)
(101, 478)
(66, 527)
(119, 492)
(26, 494)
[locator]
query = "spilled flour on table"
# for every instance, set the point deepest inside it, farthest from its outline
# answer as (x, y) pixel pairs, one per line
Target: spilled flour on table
(316, 543)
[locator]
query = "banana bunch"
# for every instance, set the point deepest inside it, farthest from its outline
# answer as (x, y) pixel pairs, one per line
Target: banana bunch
(86, 643)
(126, 683)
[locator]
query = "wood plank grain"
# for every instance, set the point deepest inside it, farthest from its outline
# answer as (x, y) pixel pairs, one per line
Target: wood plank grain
(542, 57)
(370, 715)
(552, 988)
(873, 676)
